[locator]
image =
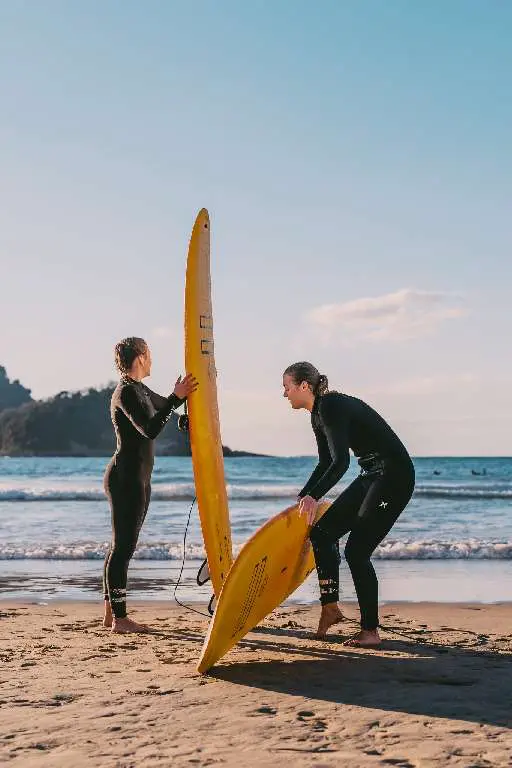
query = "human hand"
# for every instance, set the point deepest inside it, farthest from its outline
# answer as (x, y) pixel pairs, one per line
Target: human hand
(183, 388)
(308, 506)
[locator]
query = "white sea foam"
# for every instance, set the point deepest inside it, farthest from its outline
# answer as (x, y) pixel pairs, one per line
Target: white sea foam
(186, 492)
(470, 549)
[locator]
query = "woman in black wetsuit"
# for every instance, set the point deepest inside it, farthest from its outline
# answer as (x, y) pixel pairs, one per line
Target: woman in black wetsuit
(368, 507)
(138, 416)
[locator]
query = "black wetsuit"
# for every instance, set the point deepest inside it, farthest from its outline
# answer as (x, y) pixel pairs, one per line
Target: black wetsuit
(370, 505)
(138, 415)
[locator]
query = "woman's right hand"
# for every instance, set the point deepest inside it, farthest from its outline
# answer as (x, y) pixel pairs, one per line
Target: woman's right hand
(308, 507)
(183, 388)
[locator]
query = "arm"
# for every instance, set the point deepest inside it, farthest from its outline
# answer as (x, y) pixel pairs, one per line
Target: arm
(159, 401)
(324, 461)
(137, 412)
(335, 420)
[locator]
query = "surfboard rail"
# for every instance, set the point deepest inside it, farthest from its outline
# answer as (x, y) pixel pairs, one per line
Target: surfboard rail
(270, 566)
(203, 409)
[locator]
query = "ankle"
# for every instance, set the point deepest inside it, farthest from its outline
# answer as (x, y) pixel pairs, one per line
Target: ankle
(331, 607)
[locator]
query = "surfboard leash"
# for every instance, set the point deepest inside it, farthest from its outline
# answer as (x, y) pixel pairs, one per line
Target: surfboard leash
(183, 426)
(417, 635)
(177, 583)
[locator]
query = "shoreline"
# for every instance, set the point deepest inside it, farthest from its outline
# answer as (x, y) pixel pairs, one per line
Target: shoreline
(159, 604)
(436, 693)
(484, 582)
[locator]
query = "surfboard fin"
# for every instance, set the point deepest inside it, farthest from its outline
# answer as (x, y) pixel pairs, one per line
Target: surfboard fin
(203, 574)
(212, 605)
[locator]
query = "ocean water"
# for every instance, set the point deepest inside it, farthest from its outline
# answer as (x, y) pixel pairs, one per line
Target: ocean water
(453, 542)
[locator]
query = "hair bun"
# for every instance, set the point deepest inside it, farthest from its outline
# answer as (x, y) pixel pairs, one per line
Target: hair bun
(323, 385)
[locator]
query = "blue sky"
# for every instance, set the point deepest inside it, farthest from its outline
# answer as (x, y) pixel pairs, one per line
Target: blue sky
(355, 160)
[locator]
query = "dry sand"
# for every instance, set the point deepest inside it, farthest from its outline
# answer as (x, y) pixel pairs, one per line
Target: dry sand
(72, 694)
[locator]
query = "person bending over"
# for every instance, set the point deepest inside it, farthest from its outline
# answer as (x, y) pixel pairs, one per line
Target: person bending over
(367, 508)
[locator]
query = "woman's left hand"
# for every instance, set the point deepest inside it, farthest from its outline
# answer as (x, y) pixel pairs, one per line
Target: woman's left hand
(184, 387)
(308, 506)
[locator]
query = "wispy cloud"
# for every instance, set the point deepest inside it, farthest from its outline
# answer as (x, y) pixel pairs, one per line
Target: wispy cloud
(405, 314)
(433, 385)
(164, 332)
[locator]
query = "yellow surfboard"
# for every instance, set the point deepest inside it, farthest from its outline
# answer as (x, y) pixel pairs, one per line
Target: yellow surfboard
(269, 567)
(205, 439)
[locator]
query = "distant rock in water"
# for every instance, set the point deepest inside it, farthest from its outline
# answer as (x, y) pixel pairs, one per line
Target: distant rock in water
(73, 424)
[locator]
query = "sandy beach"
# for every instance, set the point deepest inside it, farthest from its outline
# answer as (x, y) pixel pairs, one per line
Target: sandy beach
(73, 694)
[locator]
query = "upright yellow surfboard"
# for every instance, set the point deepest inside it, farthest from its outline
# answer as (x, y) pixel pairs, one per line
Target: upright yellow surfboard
(269, 567)
(203, 409)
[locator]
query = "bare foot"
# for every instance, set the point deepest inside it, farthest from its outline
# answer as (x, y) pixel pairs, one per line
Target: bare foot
(366, 638)
(331, 614)
(124, 626)
(107, 617)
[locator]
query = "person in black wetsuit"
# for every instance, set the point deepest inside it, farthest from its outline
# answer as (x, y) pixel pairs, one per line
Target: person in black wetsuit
(138, 415)
(368, 507)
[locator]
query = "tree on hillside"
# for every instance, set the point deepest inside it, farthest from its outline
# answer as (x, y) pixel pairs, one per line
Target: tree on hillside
(12, 393)
(72, 424)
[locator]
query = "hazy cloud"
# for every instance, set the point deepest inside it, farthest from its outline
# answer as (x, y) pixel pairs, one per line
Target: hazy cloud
(405, 314)
(432, 385)
(164, 332)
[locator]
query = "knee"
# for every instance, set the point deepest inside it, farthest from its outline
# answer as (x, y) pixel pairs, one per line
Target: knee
(121, 553)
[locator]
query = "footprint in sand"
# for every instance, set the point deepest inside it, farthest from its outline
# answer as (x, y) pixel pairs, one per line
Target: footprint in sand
(436, 681)
(56, 701)
(65, 698)
(41, 746)
(265, 710)
(151, 691)
(173, 660)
